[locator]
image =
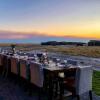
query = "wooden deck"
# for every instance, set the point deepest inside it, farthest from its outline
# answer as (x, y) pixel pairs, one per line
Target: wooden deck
(11, 91)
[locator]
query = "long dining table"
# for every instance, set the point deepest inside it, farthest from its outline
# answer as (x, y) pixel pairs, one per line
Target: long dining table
(51, 74)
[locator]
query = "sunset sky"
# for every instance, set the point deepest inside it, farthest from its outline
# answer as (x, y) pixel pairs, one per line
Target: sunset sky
(44, 20)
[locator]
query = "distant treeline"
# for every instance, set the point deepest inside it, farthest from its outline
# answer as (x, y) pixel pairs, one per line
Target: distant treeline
(54, 43)
(94, 43)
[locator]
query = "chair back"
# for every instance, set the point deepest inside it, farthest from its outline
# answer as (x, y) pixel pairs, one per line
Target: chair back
(4, 61)
(1, 60)
(83, 78)
(14, 67)
(36, 74)
(23, 69)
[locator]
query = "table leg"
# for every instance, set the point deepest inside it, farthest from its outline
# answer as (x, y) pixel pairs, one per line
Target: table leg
(61, 89)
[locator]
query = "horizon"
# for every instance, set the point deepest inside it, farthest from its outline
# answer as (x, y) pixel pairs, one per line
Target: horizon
(39, 21)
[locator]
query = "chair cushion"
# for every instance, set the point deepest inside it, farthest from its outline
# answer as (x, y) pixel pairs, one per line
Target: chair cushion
(70, 81)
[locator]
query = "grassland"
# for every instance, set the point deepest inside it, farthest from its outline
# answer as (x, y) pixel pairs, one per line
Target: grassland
(96, 82)
(77, 50)
(89, 51)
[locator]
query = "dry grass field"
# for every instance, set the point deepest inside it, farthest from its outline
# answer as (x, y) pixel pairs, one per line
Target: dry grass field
(89, 51)
(77, 50)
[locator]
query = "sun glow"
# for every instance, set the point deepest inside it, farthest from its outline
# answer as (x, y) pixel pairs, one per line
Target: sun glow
(86, 29)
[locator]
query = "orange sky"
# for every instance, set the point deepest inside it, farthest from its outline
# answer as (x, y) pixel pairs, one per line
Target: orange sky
(82, 29)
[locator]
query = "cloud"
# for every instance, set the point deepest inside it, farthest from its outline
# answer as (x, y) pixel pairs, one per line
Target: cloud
(30, 35)
(22, 35)
(15, 35)
(36, 37)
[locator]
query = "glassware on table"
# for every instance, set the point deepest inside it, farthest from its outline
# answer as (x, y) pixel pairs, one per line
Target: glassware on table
(65, 61)
(51, 63)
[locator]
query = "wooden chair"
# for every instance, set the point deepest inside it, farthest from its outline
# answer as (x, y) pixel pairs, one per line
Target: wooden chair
(37, 77)
(1, 64)
(5, 65)
(15, 68)
(14, 62)
(0, 60)
(24, 74)
(23, 68)
(82, 83)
